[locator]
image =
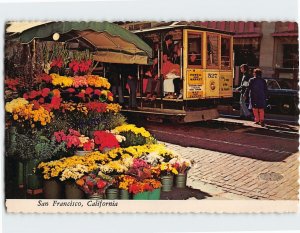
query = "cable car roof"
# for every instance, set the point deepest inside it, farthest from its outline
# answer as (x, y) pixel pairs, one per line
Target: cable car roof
(182, 26)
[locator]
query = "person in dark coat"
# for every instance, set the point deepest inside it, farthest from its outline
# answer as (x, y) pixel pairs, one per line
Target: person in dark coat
(115, 81)
(244, 112)
(131, 75)
(258, 95)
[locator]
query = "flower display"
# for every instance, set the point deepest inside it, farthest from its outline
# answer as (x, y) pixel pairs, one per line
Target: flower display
(62, 81)
(28, 113)
(95, 183)
(12, 84)
(14, 104)
(74, 140)
(80, 81)
(132, 128)
(97, 81)
(180, 164)
(58, 62)
(105, 140)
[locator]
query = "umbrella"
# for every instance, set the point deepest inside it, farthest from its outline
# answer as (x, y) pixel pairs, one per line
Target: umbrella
(110, 42)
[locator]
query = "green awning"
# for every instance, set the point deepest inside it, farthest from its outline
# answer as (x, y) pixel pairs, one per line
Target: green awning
(102, 36)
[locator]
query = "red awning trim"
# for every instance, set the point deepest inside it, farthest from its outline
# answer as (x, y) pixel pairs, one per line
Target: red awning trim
(247, 35)
(285, 34)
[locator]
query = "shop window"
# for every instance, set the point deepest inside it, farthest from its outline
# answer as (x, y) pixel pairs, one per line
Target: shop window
(290, 56)
(212, 51)
(225, 53)
(246, 51)
(194, 49)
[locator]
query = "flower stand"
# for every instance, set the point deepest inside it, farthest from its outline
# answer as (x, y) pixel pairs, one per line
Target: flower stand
(112, 193)
(124, 194)
(180, 180)
(52, 189)
(167, 183)
(155, 194)
(72, 191)
(141, 196)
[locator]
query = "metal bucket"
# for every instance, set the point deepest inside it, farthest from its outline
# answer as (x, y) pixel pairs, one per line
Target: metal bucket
(167, 183)
(181, 180)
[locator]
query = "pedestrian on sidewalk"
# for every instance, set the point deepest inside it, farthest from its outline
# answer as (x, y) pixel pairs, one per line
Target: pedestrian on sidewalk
(257, 91)
(244, 112)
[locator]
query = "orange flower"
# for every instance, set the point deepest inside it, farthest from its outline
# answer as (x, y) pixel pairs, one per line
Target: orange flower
(56, 93)
(80, 182)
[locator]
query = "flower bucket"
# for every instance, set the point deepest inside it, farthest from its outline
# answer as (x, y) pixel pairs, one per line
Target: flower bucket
(124, 194)
(33, 181)
(52, 189)
(112, 193)
(72, 191)
(141, 196)
(82, 152)
(20, 177)
(96, 196)
(167, 183)
(181, 180)
(155, 194)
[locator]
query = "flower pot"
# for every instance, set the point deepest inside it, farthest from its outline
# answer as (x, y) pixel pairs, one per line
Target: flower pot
(96, 196)
(72, 191)
(167, 183)
(155, 194)
(52, 189)
(141, 196)
(124, 194)
(82, 152)
(181, 180)
(20, 177)
(112, 193)
(33, 181)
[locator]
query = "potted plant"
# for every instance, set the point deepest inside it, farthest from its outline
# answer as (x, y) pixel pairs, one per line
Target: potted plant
(182, 166)
(94, 184)
(167, 172)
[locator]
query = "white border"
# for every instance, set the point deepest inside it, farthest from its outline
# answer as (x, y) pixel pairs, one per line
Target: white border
(258, 10)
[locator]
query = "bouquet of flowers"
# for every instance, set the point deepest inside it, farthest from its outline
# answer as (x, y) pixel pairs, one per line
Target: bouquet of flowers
(95, 183)
(74, 140)
(181, 165)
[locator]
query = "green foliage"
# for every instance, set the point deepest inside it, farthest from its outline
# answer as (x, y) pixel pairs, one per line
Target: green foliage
(113, 120)
(132, 139)
(36, 146)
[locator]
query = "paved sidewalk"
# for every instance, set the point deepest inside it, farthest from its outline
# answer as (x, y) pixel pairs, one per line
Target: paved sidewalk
(227, 176)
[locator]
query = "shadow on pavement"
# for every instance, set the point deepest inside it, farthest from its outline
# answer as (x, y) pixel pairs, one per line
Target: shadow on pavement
(183, 194)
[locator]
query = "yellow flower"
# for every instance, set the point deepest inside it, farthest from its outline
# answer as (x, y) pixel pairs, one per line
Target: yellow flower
(15, 103)
(132, 128)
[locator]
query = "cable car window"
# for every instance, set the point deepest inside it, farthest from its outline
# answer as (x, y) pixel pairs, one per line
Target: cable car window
(212, 50)
(194, 49)
(225, 53)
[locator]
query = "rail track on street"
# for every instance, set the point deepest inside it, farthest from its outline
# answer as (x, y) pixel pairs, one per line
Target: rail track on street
(274, 143)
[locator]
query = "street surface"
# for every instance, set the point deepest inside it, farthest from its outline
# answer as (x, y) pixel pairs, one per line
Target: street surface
(237, 159)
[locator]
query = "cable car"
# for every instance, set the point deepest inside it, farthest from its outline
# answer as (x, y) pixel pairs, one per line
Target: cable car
(199, 62)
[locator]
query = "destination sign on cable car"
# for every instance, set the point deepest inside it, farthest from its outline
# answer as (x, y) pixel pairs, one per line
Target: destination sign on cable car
(194, 83)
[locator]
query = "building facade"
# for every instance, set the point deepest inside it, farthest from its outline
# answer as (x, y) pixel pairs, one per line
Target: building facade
(272, 46)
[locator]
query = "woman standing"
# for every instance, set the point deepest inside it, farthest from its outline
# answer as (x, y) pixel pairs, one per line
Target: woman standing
(258, 95)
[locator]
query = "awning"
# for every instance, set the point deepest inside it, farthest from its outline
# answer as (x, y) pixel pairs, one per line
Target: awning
(276, 34)
(107, 39)
(247, 35)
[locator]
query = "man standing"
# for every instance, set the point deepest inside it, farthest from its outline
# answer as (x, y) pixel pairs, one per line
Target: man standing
(244, 112)
(131, 75)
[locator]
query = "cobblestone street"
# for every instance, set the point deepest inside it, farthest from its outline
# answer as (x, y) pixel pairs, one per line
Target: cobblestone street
(226, 176)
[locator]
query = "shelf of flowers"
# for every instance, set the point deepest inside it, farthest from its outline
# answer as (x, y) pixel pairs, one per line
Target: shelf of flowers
(69, 130)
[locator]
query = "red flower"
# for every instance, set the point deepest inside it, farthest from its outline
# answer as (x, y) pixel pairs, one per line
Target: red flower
(97, 92)
(25, 96)
(81, 95)
(41, 100)
(33, 94)
(55, 102)
(87, 146)
(71, 90)
(101, 184)
(57, 62)
(36, 104)
(45, 92)
(105, 140)
(59, 136)
(89, 91)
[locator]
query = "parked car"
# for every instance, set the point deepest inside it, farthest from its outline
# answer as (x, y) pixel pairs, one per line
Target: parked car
(280, 99)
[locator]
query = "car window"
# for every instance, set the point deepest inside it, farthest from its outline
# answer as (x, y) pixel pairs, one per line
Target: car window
(273, 84)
